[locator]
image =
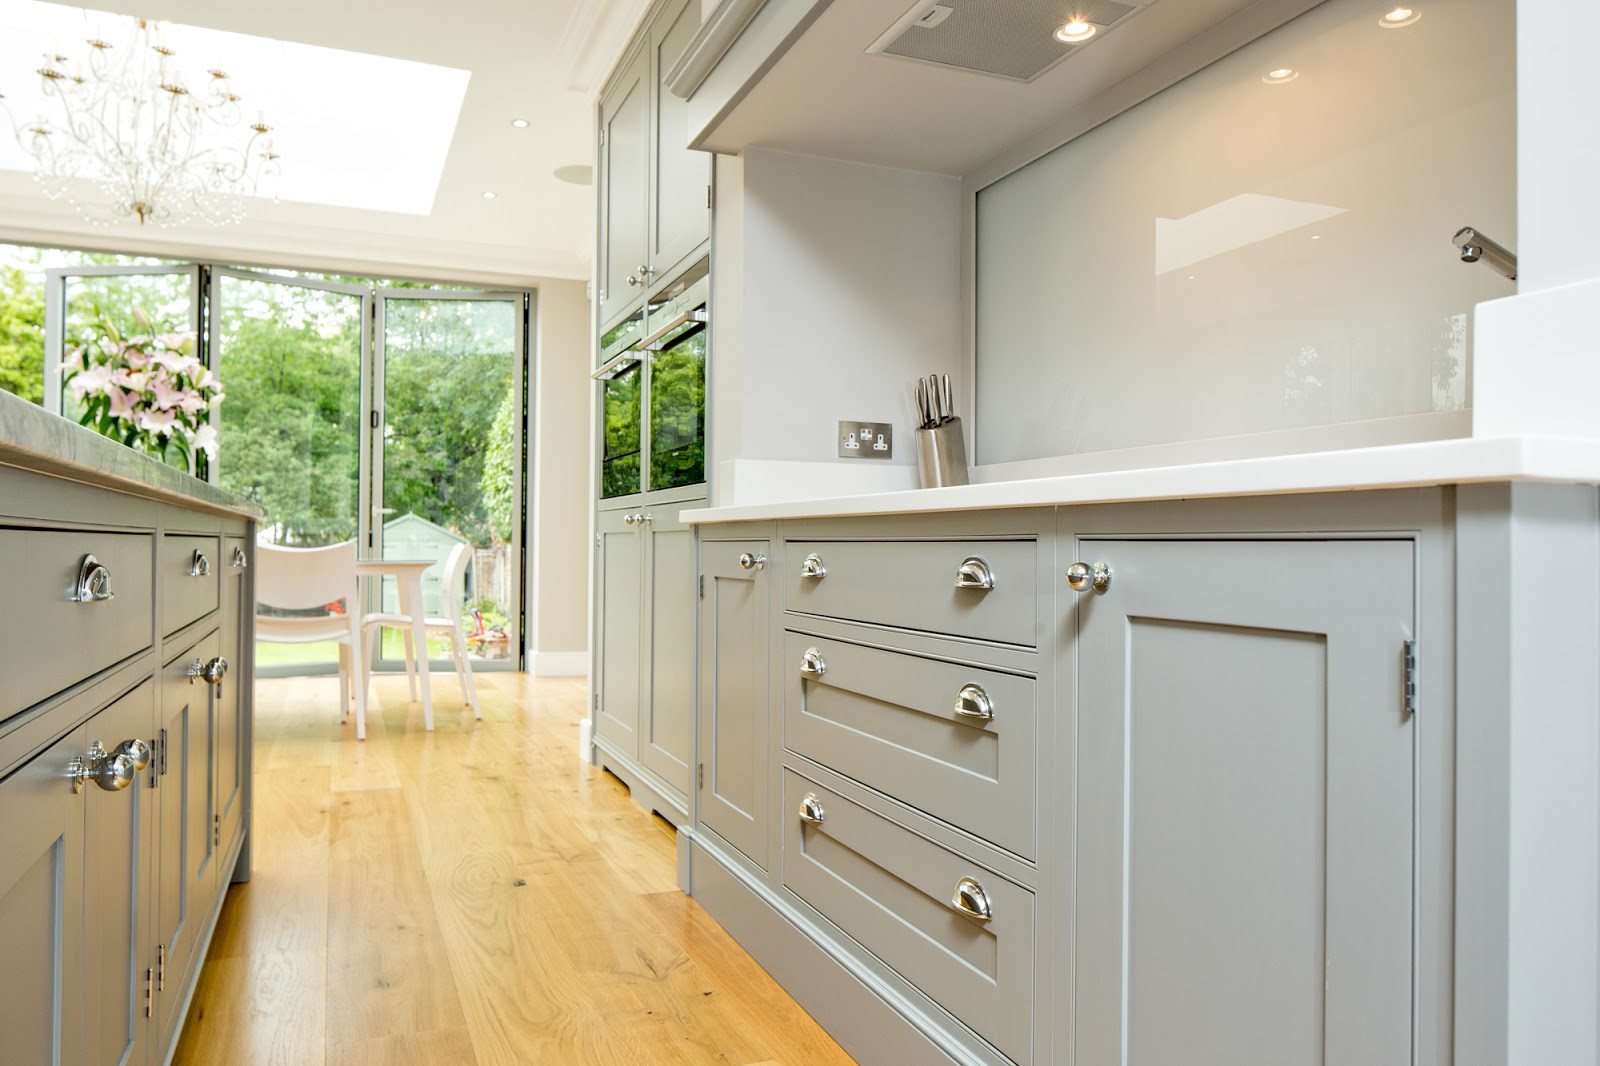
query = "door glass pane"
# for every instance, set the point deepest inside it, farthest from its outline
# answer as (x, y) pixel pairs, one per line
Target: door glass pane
(289, 429)
(452, 421)
(677, 414)
(619, 460)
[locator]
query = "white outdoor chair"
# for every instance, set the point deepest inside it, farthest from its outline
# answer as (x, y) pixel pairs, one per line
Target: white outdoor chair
(452, 589)
(302, 578)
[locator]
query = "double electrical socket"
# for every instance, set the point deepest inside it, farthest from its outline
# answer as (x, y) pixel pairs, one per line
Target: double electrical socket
(866, 440)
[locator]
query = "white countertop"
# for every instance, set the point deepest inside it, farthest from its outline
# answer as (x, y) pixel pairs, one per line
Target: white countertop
(1445, 462)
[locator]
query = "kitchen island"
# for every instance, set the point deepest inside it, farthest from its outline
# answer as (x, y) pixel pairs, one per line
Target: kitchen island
(125, 725)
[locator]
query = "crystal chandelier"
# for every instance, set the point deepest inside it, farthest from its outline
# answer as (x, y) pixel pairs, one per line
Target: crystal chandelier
(125, 122)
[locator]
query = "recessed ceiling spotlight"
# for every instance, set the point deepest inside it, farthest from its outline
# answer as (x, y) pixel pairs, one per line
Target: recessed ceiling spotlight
(1400, 16)
(489, 195)
(520, 123)
(1316, 236)
(1280, 76)
(1075, 31)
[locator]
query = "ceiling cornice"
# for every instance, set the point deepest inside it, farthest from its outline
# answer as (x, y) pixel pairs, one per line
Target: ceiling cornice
(594, 38)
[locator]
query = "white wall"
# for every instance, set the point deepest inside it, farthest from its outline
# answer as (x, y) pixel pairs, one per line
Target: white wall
(847, 287)
(560, 500)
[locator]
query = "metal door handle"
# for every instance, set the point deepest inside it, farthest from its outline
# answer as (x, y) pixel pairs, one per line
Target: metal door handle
(813, 568)
(812, 664)
(974, 573)
(94, 582)
(752, 562)
(199, 566)
(137, 751)
(113, 773)
(973, 702)
(239, 561)
(971, 901)
(1083, 576)
(211, 673)
(811, 809)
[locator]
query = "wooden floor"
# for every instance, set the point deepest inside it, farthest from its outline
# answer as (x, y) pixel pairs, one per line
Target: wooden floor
(474, 895)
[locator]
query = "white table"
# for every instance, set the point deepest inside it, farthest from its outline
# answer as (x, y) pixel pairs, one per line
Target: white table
(408, 579)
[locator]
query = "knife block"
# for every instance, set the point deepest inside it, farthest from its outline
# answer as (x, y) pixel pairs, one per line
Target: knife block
(942, 455)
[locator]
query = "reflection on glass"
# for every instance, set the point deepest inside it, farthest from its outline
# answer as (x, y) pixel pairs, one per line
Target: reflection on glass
(677, 414)
(452, 422)
(1244, 253)
(619, 458)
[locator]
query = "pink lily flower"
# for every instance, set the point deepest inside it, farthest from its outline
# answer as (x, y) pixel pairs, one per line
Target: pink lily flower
(167, 397)
(135, 380)
(92, 381)
(205, 438)
(124, 405)
(159, 423)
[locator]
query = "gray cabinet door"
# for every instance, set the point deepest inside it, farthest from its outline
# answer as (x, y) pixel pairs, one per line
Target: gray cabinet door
(669, 649)
(619, 599)
(231, 726)
(41, 904)
(185, 866)
(734, 638)
(680, 209)
(119, 838)
(1244, 804)
(624, 174)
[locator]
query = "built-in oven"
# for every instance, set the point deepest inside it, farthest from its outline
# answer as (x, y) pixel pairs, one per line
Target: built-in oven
(653, 392)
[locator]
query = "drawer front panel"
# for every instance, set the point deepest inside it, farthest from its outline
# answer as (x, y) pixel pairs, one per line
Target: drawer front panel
(186, 596)
(52, 641)
(890, 720)
(912, 584)
(891, 891)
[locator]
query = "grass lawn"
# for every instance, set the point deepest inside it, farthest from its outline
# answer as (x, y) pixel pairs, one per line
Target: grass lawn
(327, 651)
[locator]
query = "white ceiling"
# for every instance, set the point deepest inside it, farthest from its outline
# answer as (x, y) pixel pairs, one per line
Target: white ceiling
(541, 60)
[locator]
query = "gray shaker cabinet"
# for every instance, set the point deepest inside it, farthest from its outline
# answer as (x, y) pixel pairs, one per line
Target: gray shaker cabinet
(1244, 783)
(734, 673)
(619, 582)
(667, 703)
(623, 155)
(680, 208)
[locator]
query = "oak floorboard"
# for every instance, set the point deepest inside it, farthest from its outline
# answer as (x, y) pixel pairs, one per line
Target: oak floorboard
(474, 896)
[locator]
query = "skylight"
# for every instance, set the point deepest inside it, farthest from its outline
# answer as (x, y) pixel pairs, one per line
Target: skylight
(354, 130)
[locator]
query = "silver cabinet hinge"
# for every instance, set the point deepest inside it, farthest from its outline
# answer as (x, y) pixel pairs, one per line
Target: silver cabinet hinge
(1411, 678)
(149, 992)
(702, 586)
(216, 830)
(708, 197)
(597, 701)
(700, 775)
(163, 753)
(161, 968)
(597, 541)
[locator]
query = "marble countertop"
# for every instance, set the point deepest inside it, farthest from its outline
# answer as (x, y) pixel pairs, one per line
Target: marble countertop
(32, 438)
(1445, 462)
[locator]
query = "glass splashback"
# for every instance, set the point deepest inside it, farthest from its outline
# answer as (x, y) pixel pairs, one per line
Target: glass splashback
(1264, 246)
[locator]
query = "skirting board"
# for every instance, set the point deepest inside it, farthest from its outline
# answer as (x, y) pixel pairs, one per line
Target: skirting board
(559, 664)
(874, 1024)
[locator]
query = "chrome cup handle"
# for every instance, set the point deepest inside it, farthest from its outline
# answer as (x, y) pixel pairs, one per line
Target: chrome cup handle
(813, 568)
(812, 663)
(971, 901)
(94, 582)
(239, 562)
(811, 809)
(199, 566)
(973, 702)
(974, 573)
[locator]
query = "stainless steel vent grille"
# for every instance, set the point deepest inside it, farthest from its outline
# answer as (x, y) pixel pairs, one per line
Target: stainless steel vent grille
(1012, 39)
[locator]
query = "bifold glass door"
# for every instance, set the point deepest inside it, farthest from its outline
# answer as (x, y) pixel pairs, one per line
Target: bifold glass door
(392, 417)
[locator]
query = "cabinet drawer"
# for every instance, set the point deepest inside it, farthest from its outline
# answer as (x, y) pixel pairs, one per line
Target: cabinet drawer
(912, 584)
(892, 891)
(190, 569)
(50, 641)
(891, 720)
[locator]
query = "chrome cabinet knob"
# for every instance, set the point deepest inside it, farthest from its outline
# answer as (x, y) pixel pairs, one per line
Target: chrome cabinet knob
(137, 751)
(813, 568)
(644, 518)
(973, 702)
(199, 566)
(1081, 577)
(239, 562)
(211, 673)
(752, 562)
(113, 773)
(812, 664)
(627, 519)
(94, 582)
(974, 573)
(632, 280)
(971, 901)
(811, 809)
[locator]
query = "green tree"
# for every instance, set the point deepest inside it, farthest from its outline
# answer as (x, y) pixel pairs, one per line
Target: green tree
(499, 469)
(21, 334)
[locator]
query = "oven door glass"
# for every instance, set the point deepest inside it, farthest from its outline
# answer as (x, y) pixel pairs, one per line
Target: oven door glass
(619, 458)
(678, 411)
